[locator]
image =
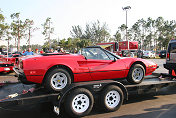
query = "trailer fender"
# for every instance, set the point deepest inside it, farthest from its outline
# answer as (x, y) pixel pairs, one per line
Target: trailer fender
(92, 86)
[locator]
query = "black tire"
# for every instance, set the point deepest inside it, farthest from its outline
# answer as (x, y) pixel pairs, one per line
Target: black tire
(79, 96)
(170, 72)
(111, 98)
(51, 85)
(136, 80)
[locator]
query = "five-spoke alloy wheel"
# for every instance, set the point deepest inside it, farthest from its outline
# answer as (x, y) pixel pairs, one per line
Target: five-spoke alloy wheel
(57, 79)
(136, 74)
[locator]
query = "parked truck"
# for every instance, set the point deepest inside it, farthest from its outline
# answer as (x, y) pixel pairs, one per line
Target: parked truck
(121, 48)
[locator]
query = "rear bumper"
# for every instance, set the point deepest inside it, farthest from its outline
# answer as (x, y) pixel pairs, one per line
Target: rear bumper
(170, 66)
(20, 74)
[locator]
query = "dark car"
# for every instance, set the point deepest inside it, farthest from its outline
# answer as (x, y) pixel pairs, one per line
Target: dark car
(162, 54)
(139, 54)
(171, 57)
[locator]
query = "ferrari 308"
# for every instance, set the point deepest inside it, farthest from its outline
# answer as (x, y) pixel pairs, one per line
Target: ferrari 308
(56, 71)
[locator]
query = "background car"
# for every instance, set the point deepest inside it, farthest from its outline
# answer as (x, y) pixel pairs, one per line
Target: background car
(6, 66)
(171, 56)
(139, 53)
(57, 71)
(162, 54)
(11, 58)
(149, 54)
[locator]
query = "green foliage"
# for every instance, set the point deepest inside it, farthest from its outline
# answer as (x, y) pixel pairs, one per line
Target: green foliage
(2, 25)
(18, 28)
(152, 34)
(48, 30)
(29, 29)
(52, 44)
(95, 32)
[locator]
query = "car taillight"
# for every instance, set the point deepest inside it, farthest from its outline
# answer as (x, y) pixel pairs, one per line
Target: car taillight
(168, 56)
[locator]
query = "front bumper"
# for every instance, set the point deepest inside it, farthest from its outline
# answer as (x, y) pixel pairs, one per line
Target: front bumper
(170, 66)
(20, 74)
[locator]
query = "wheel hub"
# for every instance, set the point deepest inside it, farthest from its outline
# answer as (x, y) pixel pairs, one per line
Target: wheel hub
(80, 103)
(112, 99)
(137, 74)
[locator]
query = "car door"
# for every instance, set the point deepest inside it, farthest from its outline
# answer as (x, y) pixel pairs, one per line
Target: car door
(103, 65)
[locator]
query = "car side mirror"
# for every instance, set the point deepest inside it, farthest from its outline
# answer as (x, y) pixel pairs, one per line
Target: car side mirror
(114, 60)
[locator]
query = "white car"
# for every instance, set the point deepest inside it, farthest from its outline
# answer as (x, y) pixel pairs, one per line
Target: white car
(149, 54)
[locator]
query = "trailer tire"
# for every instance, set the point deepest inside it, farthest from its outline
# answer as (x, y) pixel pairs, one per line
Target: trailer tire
(136, 74)
(57, 79)
(79, 102)
(111, 98)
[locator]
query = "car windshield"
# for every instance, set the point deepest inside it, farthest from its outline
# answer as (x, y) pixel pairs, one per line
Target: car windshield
(163, 51)
(172, 48)
(10, 55)
(97, 53)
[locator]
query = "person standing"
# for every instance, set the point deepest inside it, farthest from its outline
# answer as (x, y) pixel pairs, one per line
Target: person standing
(29, 52)
(41, 52)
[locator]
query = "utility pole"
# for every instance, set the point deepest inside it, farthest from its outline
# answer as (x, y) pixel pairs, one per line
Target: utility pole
(29, 37)
(49, 35)
(126, 9)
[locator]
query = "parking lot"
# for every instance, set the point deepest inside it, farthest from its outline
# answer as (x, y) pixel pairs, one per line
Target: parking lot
(154, 105)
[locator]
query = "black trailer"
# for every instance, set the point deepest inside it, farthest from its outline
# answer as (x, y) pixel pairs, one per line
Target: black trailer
(78, 99)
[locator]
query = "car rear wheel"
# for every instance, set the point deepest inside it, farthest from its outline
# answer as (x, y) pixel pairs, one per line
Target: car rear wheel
(57, 79)
(111, 98)
(79, 102)
(136, 74)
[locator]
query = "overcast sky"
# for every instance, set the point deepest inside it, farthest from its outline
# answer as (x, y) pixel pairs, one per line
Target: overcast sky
(67, 13)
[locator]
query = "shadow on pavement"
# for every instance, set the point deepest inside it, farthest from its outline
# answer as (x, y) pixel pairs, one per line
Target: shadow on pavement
(165, 111)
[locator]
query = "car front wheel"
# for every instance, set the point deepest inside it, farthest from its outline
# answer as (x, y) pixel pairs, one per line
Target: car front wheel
(57, 79)
(136, 74)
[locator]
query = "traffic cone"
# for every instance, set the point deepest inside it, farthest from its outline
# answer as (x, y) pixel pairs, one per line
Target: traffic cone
(173, 73)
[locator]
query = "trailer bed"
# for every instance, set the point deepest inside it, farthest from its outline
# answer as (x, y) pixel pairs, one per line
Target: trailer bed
(32, 94)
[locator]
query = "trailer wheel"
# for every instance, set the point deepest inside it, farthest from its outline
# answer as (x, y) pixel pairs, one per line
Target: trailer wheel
(136, 74)
(57, 79)
(111, 98)
(79, 102)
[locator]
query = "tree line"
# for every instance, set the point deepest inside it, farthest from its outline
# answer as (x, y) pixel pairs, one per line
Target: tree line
(152, 34)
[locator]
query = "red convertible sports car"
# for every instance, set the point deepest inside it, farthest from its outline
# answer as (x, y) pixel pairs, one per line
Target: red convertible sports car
(56, 71)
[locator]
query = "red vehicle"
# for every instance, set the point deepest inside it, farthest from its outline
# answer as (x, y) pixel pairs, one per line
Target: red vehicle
(56, 71)
(11, 58)
(6, 66)
(120, 47)
(7, 63)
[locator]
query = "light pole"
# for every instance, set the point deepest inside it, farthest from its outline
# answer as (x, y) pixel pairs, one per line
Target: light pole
(126, 9)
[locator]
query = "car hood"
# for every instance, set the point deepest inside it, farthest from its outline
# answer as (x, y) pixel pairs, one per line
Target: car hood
(129, 60)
